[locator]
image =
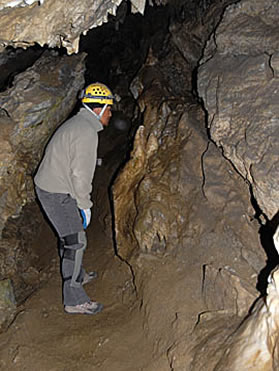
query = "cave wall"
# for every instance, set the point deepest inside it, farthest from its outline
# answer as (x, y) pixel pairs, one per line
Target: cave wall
(238, 82)
(184, 220)
(54, 23)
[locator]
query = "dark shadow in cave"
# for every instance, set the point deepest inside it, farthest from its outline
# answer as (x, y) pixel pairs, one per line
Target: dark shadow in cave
(17, 61)
(118, 49)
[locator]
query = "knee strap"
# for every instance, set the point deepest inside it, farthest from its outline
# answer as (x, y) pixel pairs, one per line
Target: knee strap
(71, 239)
(68, 242)
(70, 254)
(75, 245)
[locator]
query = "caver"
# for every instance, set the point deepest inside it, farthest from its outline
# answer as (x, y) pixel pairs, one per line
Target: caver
(63, 185)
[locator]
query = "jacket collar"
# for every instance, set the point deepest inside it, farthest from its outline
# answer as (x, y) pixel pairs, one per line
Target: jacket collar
(90, 117)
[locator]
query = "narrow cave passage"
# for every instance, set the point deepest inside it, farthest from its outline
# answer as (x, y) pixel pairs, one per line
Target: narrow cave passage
(187, 243)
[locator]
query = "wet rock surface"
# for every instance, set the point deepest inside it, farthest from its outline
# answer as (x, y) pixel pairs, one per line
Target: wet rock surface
(183, 226)
(227, 344)
(7, 304)
(57, 23)
(238, 82)
(182, 209)
(13, 61)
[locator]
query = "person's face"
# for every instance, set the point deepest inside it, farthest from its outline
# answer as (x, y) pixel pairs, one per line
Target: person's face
(106, 115)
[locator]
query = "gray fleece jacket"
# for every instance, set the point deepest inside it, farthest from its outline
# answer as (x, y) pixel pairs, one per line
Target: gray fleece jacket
(69, 161)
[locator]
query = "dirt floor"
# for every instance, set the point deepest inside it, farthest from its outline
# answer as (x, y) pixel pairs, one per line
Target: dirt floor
(45, 338)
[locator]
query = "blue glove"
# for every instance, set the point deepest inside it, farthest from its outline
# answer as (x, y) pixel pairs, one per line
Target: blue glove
(86, 217)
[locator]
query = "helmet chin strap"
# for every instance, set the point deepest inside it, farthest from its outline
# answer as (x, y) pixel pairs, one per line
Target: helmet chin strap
(94, 113)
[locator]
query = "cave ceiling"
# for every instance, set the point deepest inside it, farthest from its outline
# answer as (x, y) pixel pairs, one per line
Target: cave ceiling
(55, 23)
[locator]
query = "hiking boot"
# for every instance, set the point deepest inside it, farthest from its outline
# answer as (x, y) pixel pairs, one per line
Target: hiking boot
(89, 277)
(91, 307)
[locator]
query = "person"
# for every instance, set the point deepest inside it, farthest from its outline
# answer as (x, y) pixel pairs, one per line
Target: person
(63, 184)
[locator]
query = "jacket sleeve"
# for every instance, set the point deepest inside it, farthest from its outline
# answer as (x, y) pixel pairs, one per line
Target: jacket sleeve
(83, 156)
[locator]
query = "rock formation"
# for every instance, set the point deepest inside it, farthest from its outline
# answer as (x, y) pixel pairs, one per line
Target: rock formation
(221, 342)
(7, 304)
(254, 345)
(202, 169)
(238, 81)
(182, 211)
(54, 22)
(157, 193)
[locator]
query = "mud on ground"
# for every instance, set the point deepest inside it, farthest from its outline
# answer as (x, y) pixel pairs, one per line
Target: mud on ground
(45, 338)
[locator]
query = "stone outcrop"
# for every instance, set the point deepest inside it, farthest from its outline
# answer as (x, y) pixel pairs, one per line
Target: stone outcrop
(254, 345)
(238, 83)
(183, 217)
(7, 304)
(57, 23)
(14, 61)
(221, 342)
(238, 80)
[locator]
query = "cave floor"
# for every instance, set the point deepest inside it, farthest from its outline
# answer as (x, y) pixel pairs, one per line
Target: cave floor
(44, 338)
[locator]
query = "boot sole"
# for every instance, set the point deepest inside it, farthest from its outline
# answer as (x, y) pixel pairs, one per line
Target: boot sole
(96, 311)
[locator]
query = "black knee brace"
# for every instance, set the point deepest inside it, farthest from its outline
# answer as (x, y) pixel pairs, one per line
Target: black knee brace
(70, 252)
(66, 243)
(71, 239)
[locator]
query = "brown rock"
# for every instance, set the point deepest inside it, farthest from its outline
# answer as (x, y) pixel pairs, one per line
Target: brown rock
(239, 84)
(57, 23)
(180, 207)
(7, 304)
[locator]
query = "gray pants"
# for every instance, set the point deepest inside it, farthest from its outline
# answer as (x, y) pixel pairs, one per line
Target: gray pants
(63, 213)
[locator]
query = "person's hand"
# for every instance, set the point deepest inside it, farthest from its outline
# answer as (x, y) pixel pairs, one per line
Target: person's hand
(86, 217)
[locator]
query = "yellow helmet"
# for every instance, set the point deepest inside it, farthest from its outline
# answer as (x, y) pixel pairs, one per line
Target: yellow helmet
(97, 93)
